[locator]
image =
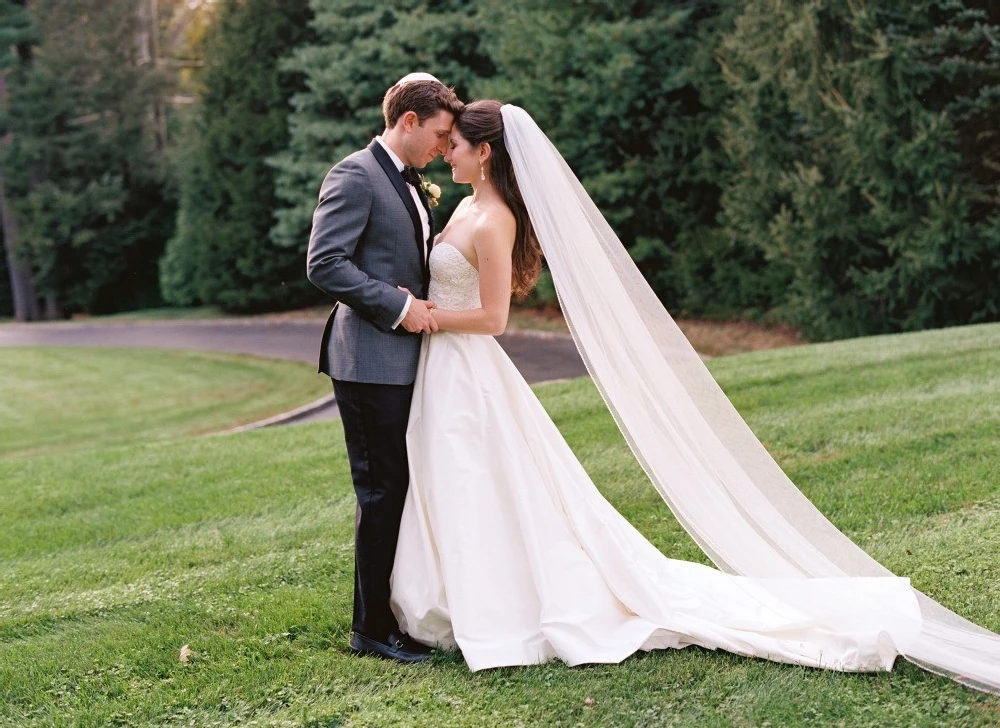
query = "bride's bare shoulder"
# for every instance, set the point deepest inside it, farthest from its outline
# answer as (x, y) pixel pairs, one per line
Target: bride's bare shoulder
(498, 221)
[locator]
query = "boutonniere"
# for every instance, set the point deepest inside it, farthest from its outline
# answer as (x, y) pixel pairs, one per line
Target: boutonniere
(430, 189)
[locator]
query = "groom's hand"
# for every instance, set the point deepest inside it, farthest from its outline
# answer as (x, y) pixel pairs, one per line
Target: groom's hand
(418, 319)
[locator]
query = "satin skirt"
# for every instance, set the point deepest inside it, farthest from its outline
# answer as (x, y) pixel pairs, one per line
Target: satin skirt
(508, 552)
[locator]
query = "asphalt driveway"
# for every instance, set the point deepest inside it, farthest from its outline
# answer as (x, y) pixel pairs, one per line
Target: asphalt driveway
(539, 356)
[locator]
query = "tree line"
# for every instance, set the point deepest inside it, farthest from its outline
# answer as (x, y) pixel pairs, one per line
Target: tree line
(832, 165)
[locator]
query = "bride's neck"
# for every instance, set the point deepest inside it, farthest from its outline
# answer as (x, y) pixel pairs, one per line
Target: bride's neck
(484, 192)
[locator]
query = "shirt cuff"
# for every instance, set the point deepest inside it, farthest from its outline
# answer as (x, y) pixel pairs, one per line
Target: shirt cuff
(406, 307)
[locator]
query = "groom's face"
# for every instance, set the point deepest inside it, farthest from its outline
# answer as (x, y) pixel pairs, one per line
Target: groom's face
(424, 142)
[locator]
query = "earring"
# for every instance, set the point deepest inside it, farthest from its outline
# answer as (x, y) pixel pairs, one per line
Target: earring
(482, 172)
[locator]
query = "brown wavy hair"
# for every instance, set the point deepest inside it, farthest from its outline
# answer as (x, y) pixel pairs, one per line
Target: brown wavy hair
(425, 98)
(481, 121)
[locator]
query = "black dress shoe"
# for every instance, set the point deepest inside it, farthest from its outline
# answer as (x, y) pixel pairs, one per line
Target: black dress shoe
(411, 644)
(396, 647)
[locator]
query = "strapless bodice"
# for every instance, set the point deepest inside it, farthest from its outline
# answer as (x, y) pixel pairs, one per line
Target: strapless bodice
(454, 280)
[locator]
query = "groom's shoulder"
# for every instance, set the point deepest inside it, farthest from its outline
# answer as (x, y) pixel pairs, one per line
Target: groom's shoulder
(354, 166)
(360, 160)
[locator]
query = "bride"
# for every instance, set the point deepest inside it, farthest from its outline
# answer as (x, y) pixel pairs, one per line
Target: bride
(508, 552)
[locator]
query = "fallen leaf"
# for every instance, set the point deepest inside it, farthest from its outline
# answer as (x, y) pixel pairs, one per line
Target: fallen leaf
(588, 701)
(186, 654)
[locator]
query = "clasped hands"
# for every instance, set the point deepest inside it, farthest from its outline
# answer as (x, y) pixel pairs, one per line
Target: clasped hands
(419, 319)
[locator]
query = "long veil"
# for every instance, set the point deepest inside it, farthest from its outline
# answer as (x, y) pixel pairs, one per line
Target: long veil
(722, 485)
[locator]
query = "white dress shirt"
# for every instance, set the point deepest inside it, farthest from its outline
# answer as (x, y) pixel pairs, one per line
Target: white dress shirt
(425, 224)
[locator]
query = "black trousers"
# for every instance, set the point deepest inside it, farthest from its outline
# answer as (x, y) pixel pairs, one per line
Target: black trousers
(375, 417)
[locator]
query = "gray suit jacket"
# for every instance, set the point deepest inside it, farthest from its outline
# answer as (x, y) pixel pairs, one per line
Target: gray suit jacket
(365, 241)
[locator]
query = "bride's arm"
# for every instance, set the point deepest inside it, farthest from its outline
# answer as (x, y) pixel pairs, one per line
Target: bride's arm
(494, 243)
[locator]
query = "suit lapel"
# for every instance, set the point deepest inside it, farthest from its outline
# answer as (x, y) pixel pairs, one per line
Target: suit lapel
(404, 194)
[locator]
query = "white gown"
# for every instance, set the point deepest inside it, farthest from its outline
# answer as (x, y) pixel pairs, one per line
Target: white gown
(509, 552)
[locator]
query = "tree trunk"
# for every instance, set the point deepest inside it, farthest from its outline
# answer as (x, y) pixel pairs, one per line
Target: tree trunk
(21, 286)
(53, 309)
(148, 51)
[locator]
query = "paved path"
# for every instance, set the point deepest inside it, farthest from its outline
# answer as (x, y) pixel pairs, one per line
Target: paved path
(539, 356)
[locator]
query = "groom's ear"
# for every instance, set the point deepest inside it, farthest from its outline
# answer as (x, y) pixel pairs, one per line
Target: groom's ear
(409, 120)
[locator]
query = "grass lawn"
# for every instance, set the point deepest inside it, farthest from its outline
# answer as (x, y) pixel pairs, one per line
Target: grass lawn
(64, 398)
(114, 556)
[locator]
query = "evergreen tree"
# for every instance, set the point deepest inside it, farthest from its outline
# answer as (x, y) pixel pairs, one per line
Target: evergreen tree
(361, 49)
(854, 129)
(629, 92)
(221, 253)
(83, 170)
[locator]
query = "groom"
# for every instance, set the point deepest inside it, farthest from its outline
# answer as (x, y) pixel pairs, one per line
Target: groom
(369, 247)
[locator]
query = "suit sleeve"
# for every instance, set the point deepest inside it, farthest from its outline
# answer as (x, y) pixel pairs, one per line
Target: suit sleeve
(345, 202)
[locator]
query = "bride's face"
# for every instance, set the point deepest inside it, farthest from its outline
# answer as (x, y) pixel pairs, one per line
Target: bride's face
(463, 158)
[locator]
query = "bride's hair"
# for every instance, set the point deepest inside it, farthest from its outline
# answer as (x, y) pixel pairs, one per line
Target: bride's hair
(481, 121)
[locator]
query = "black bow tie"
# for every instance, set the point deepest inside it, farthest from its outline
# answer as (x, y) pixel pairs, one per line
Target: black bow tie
(411, 175)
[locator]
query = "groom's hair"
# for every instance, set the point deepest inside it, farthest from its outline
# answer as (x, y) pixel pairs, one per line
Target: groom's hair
(424, 98)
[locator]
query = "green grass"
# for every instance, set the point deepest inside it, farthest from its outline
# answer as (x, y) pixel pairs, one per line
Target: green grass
(64, 398)
(166, 313)
(114, 556)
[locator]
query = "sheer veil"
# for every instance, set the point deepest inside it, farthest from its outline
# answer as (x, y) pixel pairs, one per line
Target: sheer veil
(722, 485)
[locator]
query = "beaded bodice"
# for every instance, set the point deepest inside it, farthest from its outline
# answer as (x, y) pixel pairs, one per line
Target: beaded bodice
(454, 280)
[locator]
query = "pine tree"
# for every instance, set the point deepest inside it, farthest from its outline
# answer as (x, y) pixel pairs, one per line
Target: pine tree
(854, 127)
(629, 93)
(361, 49)
(84, 170)
(221, 253)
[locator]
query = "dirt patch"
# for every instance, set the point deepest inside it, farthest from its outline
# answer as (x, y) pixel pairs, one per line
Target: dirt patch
(711, 338)
(718, 338)
(536, 319)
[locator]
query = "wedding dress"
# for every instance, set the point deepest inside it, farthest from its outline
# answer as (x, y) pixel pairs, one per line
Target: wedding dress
(509, 552)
